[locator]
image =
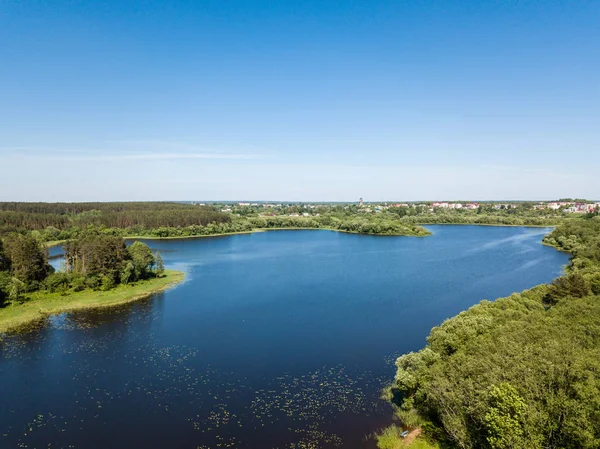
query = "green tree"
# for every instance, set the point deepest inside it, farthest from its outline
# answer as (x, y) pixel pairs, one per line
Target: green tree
(28, 261)
(16, 289)
(159, 264)
(573, 285)
(504, 418)
(4, 259)
(142, 258)
(127, 272)
(5, 282)
(96, 255)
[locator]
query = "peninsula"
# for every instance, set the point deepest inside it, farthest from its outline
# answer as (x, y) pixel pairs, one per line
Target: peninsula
(517, 372)
(99, 271)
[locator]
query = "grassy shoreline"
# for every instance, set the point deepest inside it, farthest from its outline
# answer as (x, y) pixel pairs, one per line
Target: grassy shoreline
(41, 305)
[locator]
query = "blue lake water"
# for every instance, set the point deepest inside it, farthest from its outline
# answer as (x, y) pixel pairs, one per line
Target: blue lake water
(275, 340)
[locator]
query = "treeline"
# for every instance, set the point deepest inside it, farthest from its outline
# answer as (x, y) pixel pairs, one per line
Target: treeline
(64, 221)
(96, 261)
(519, 372)
(360, 224)
(582, 239)
(197, 222)
(505, 219)
(78, 208)
(374, 225)
(59, 221)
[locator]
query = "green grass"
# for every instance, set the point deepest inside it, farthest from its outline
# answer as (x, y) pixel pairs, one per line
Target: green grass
(421, 443)
(389, 438)
(39, 305)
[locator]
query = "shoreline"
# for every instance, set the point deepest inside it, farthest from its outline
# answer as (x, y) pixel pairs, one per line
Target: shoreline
(435, 444)
(54, 243)
(41, 305)
(182, 237)
(488, 224)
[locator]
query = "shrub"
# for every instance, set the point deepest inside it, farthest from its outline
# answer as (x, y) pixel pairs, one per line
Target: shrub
(57, 281)
(92, 282)
(573, 285)
(108, 282)
(78, 284)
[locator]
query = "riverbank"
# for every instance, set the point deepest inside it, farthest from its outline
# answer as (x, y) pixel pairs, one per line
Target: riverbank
(40, 305)
(436, 384)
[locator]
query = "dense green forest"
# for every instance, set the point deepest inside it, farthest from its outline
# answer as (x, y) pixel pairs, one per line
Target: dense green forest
(472, 217)
(61, 221)
(519, 372)
(93, 260)
(64, 221)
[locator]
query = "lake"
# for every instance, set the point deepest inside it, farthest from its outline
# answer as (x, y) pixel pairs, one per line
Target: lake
(278, 339)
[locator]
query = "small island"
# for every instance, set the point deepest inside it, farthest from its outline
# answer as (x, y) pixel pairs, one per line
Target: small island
(99, 271)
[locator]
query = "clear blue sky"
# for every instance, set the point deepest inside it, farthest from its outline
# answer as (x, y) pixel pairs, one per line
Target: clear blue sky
(299, 100)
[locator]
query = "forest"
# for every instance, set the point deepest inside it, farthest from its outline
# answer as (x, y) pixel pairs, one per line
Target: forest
(61, 221)
(49, 222)
(92, 261)
(518, 372)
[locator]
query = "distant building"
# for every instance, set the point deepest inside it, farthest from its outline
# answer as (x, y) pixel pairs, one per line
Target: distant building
(360, 202)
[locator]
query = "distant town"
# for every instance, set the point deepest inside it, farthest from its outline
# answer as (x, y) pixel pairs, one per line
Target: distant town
(296, 209)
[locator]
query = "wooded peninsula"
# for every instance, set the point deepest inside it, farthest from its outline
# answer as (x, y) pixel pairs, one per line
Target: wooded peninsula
(99, 271)
(517, 372)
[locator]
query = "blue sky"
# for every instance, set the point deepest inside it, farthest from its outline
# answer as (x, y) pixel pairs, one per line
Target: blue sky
(299, 100)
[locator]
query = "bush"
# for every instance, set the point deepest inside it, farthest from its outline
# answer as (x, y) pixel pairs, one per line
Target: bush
(389, 438)
(92, 282)
(573, 285)
(57, 282)
(78, 284)
(108, 283)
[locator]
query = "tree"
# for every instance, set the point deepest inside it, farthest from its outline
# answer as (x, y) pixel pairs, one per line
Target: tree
(4, 259)
(5, 282)
(573, 285)
(28, 262)
(127, 273)
(96, 255)
(504, 419)
(142, 258)
(159, 264)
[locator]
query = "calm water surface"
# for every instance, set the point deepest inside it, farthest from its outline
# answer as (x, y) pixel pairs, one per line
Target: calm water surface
(275, 340)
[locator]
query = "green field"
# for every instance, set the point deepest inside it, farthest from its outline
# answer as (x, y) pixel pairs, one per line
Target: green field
(38, 305)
